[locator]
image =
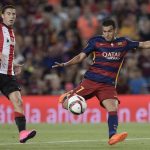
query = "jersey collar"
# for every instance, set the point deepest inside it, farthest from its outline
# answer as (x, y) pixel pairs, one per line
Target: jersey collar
(6, 26)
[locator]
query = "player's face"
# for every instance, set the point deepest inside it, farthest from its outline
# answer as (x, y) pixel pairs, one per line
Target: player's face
(9, 16)
(108, 33)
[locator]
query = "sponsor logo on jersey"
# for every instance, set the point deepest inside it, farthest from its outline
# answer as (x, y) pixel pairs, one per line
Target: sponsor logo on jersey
(112, 55)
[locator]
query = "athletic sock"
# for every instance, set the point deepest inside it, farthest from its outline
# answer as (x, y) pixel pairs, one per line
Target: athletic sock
(112, 123)
(20, 121)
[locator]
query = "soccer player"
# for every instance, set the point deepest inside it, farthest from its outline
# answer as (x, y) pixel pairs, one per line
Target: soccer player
(8, 83)
(101, 78)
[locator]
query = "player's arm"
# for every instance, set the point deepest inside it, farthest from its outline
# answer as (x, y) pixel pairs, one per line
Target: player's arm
(145, 44)
(77, 59)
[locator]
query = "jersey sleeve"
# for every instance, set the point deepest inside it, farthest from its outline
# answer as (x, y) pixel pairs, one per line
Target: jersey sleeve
(89, 48)
(132, 44)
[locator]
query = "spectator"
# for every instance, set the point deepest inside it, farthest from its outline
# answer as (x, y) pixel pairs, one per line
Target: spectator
(87, 24)
(137, 83)
(56, 30)
(144, 65)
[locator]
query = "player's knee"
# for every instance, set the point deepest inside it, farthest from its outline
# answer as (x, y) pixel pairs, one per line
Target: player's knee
(17, 102)
(111, 105)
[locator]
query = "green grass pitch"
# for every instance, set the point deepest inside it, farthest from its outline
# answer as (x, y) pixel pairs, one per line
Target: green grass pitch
(76, 137)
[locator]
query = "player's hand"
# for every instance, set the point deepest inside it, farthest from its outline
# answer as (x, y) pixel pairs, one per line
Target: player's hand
(18, 68)
(58, 65)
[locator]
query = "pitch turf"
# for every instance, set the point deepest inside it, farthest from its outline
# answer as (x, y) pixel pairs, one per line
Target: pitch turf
(75, 137)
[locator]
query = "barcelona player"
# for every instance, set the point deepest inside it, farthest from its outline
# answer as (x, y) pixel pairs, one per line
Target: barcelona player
(8, 71)
(101, 78)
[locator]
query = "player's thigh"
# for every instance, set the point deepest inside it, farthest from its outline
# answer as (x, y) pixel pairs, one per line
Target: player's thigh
(107, 92)
(10, 85)
(85, 89)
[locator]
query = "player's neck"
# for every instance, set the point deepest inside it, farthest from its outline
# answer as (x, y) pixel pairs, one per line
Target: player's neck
(7, 25)
(113, 39)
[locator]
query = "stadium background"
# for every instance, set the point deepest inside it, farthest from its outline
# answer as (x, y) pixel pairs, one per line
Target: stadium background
(56, 30)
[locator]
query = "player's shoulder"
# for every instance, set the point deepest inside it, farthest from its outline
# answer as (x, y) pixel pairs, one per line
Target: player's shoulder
(96, 38)
(121, 38)
(1, 25)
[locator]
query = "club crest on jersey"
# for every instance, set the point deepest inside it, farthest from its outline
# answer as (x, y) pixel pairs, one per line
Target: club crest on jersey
(120, 43)
(111, 55)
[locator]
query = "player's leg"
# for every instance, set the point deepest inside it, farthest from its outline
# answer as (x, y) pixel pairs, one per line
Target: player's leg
(85, 89)
(24, 135)
(64, 96)
(111, 106)
(11, 90)
(108, 99)
(64, 99)
(16, 100)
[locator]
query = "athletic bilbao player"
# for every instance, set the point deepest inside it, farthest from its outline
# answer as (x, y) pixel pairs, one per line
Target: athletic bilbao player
(8, 83)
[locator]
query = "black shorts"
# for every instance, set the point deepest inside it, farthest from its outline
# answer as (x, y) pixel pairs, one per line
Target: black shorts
(8, 84)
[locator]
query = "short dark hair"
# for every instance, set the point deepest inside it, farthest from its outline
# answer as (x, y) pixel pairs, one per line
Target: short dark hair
(6, 7)
(109, 22)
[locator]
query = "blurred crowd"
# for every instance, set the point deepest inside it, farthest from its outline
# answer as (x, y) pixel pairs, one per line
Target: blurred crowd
(56, 30)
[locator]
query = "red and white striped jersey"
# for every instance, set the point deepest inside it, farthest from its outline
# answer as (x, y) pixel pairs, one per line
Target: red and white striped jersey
(7, 46)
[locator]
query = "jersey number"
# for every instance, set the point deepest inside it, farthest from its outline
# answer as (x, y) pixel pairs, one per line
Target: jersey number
(81, 88)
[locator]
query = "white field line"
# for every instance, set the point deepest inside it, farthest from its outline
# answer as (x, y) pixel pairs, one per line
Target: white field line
(69, 141)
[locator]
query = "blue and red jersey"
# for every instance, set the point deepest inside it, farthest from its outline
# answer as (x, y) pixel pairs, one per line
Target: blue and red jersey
(107, 58)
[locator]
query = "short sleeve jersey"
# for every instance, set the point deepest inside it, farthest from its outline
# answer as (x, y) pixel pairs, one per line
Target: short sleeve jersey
(107, 58)
(7, 46)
